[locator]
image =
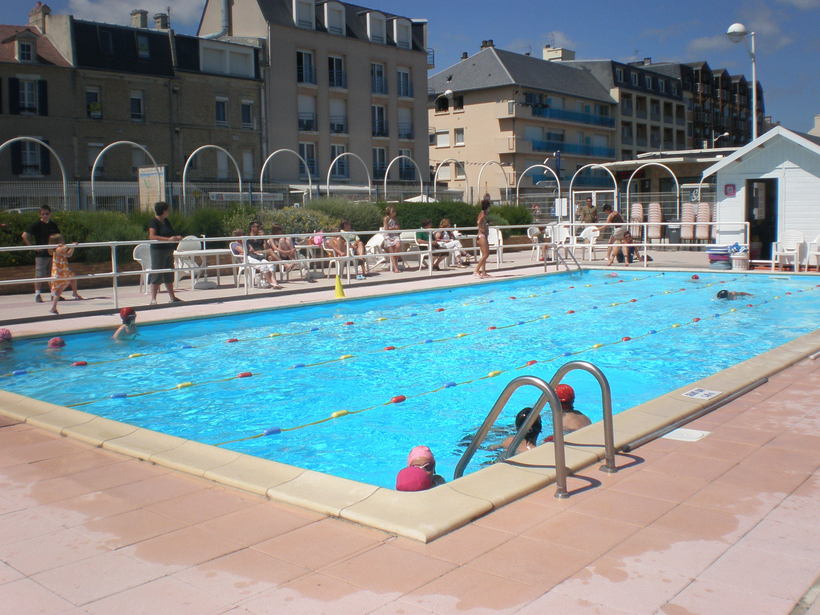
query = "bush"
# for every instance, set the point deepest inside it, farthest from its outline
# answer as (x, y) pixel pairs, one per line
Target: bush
(514, 214)
(363, 216)
(411, 215)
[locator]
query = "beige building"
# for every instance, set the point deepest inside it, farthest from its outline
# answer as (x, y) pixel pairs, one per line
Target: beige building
(516, 111)
(82, 85)
(338, 78)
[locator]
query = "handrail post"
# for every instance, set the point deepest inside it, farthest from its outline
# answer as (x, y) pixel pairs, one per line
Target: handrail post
(115, 277)
(245, 272)
(429, 253)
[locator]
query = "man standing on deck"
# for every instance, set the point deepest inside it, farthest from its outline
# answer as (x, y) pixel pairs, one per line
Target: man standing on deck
(37, 234)
(587, 213)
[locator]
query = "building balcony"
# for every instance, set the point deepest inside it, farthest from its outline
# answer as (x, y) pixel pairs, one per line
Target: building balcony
(338, 124)
(640, 141)
(307, 122)
(655, 116)
(379, 129)
(626, 139)
(669, 119)
(337, 79)
(576, 149)
(431, 58)
(626, 110)
(405, 131)
(378, 85)
(577, 117)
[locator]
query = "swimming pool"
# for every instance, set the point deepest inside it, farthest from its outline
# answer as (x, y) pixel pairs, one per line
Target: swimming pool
(413, 345)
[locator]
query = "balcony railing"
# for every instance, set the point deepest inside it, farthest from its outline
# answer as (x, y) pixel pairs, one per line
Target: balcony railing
(655, 115)
(407, 173)
(405, 131)
(626, 109)
(338, 124)
(378, 85)
(341, 170)
(337, 79)
(640, 141)
(307, 121)
(380, 129)
(306, 74)
(431, 58)
(573, 116)
(378, 171)
(626, 139)
(572, 148)
(313, 166)
(640, 113)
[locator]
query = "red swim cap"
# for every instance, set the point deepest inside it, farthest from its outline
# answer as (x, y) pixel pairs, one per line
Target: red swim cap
(565, 393)
(127, 313)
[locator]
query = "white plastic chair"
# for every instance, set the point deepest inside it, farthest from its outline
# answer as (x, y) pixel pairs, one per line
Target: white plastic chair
(533, 232)
(340, 263)
(654, 229)
(687, 219)
(704, 215)
(589, 237)
(374, 252)
(496, 242)
(245, 271)
(185, 263)
(636, 220)
(142, 255)
(814, 252)
(789, 246)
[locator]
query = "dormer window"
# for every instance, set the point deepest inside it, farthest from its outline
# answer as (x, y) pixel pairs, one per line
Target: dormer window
(304, 14)
(335, 18)
(376, 27)
(25, 51)
(402, 33)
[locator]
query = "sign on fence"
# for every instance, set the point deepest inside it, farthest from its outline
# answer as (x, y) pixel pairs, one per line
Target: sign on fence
(152, 187)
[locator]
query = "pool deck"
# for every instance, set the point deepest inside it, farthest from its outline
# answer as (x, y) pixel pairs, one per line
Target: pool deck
(725, 524)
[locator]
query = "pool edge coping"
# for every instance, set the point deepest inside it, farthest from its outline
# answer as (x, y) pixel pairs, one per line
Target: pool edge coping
(421, 516)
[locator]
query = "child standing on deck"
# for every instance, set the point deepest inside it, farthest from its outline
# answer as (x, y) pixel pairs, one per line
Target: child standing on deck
(60, 270)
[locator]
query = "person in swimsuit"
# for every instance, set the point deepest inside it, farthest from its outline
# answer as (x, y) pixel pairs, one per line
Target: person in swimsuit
(483, 238)
(530, 441)
(392, 240)
(731, 295)
(349, 239)
(128, 329)
(60, 270)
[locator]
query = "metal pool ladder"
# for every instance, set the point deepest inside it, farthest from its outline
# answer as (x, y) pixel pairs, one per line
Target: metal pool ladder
(561, 260)
(548, 395)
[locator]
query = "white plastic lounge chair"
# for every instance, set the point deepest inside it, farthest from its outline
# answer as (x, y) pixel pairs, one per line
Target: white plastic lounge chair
(654, 230)
(789, 246)
(636, 220)
(703, 230)
(687, 219)
(814, 252)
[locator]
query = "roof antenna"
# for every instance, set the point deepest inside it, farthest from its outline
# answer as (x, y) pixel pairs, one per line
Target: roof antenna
(168, 11)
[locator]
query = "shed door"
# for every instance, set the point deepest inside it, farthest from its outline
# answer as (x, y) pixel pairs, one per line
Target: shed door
(761, 213)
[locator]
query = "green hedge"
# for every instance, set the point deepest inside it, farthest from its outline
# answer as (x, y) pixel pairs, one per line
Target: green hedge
(363, 216)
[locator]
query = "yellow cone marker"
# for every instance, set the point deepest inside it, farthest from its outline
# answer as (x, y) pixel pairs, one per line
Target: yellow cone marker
(339, 291)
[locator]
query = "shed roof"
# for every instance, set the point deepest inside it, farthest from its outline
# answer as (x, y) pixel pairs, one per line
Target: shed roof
(809, 142)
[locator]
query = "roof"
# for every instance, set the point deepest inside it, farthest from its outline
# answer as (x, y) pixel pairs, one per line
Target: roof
(46, 52)
(809, 142)
(491, 68)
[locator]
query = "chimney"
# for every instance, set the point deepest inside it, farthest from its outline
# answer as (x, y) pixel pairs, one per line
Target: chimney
(139, 18)
(647, 61)
(557, 54)
(464, 55)
(161, 21)
(487, 43)
(37, 16)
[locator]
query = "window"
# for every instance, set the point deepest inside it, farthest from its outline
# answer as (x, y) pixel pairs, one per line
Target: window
(460, 173)
(221, 111)
(247, 164)
(304, 13)
(138, 159)
(247, 113)
(405, 126)
(378, 120)
(336, 77)
(584, 108)
(444, 172)
(338, 116)
(378, 81)
(341, 169)
(30, 157)
(647, 79)
(458, 136)
(25, 51)
(93, 103)
(407, 170)
(402, 34)
(308, 152)
(335, 18)
(306, 116)
(106, 43)
(634, 78)
(662, 86)
(674, 88)
(442, 138)
(555, 102)
(143, 47)
(305, 67)
(376, 27)
(136, 105)
(404, 84)
(94, 150)
(619, 75)
(379, 162)
(221, 165)
(29, 96)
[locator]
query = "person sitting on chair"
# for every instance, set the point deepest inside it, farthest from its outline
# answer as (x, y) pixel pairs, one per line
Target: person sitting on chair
(424, 239)
(261, 264)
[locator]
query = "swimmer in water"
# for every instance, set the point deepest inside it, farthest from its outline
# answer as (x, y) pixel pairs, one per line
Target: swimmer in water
(530, 440)
(128, 329)
(730, 295)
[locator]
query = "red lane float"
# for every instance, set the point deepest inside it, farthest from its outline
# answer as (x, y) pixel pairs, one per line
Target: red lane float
(244, 375)
(398, 399)
(232, 340)
(348, 323)
(389, 347)
(80, 363)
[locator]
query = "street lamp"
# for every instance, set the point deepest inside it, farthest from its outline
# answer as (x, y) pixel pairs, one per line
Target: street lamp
(736, 33)
(448, 94)
(715, 138)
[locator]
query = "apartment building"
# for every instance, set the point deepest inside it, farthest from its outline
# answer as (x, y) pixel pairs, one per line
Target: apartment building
(339, 78)
(516, 111)
(82, 85)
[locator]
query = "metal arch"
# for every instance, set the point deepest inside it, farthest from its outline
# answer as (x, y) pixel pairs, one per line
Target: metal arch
(100, 155)
(441, 164)
(587, 166)
(53, 153)
(481, 171)
(191, 157)
(387, 172)
(366, 171)
(703, 179)
(656, 164)
(536, 166)
(280, 151)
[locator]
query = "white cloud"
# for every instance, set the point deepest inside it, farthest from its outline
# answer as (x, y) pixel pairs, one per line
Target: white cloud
(708, 43)
(556, 38)
(183, 12)
(805, 5)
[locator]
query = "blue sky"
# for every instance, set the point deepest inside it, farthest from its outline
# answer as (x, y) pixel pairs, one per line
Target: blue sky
(788, 34)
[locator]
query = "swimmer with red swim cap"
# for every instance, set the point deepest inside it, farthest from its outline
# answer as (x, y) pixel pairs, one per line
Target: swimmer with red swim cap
(128, 329)
(573, 419)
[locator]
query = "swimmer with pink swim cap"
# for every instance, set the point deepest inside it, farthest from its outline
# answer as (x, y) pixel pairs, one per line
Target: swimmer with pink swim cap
(56, 342)
(410, 479)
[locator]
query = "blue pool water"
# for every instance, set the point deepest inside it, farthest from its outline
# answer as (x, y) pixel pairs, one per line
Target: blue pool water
(440, 338)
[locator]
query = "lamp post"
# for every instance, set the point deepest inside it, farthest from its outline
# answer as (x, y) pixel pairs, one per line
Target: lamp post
(715, 138)
(736, 33)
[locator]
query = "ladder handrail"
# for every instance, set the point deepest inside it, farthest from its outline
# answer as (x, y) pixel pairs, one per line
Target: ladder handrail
(568, 250)
(606, 403)
(547, 395)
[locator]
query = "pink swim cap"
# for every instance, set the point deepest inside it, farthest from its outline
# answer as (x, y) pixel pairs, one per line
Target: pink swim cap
(420, 452)
(56, 342)
(413, 478)
(5, 335)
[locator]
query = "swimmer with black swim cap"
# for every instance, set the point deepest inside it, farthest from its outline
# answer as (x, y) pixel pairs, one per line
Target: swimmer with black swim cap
(530, 440)
(728, 294)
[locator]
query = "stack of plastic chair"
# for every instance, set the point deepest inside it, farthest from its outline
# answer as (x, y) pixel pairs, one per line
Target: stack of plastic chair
(687, 222)
(654, 230)
(703, 229)
(636, 218)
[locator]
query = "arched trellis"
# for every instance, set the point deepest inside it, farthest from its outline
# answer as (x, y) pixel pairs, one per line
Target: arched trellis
(191, 157)
(282, 151)
(102, 153)
(418, 172)
(366, 171)
(663, 166)
(441, 164)
(703, 179)
(53, 153)
(484, 166)
(537, 166)
(583, 168)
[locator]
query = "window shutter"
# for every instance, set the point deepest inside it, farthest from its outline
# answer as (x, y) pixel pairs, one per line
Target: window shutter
(14, 96)
(17, 158)
(45, 160)
(42, 96)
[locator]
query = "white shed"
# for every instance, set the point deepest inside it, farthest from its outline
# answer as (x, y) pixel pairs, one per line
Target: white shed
(774, 184)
